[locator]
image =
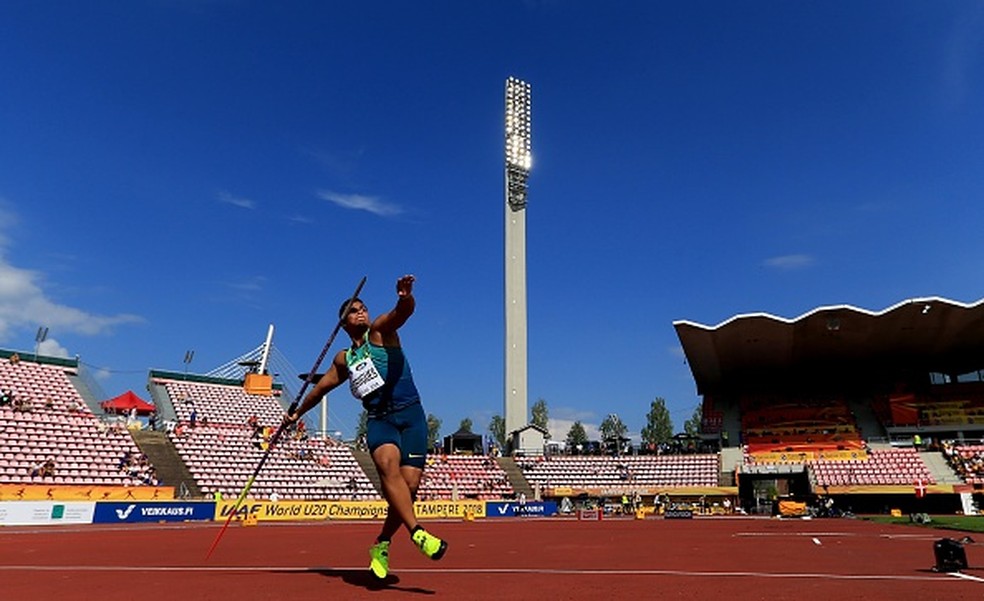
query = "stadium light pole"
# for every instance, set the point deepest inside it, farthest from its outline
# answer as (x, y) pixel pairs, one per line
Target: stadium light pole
(40, 337)
(517, 171)
(189, 356)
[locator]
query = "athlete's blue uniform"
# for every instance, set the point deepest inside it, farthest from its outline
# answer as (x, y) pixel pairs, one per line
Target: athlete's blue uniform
(395, 414)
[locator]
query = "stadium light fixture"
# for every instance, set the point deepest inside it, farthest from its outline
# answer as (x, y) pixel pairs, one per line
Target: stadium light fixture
(189, 356)
(40, 337)
(519, 157)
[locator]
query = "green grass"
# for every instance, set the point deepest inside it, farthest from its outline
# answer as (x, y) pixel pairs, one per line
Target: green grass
(964, 523)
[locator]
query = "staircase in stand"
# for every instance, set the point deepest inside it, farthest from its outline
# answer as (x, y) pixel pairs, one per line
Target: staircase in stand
(365, 462)
(516, 478)
(171, 469)
(939, 468)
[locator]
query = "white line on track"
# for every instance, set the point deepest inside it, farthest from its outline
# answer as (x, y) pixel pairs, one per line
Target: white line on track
(473, 571)
(965, 576)
(842, 534)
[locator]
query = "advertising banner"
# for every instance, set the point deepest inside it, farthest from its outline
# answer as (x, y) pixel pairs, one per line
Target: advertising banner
(342, 510)
(71, 492)
(115, 513)
(33, 513)
(502, 509)
(303, 510)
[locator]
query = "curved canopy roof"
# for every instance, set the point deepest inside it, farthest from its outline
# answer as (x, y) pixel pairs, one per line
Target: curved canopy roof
(832, 344)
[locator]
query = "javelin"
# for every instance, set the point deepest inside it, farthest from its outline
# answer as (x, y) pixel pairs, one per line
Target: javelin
(276, 435)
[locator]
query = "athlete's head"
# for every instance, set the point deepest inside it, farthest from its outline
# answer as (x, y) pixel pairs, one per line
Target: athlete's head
(356, 320)
(356, 302)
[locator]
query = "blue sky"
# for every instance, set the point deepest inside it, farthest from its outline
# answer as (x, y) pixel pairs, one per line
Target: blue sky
(176, 175)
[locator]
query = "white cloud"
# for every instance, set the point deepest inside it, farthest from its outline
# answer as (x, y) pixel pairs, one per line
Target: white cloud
(961, 54)
(562, 418)
(238, 201)
(253, 284)
(51, 348)
(789, 262)
(24, 304)
(361, 202)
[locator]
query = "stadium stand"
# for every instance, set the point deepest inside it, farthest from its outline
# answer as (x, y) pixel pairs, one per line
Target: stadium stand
(48, 420)
(893, 467)
(222, 455)
(464, 476)
(967, 460)
(847, 402)
(798, 426)
(952, 405)
(643, 471)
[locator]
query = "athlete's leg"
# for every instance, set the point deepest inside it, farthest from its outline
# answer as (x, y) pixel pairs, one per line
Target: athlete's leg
(393, 521)
(395, 486)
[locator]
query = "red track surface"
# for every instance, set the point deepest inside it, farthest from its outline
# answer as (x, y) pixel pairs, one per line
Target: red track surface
(543, 559)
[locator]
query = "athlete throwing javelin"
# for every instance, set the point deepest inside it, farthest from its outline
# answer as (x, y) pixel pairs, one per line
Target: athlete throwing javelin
(379, 374)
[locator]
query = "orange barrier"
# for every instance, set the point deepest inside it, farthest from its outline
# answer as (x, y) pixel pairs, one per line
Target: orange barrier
(61, 492)
(859, 454)
(792, 508)
(807, 456)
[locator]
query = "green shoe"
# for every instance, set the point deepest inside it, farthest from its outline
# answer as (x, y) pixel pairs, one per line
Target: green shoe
(380, 561)
(429, 545)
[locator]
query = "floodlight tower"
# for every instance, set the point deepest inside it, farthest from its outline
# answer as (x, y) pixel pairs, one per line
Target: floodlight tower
(518, 163)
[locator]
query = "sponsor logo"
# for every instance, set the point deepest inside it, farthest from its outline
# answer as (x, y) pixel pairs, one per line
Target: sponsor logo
(164, 511)
(125, 513)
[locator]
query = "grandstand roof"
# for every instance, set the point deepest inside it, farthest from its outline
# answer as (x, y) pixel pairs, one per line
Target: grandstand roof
(829, 344)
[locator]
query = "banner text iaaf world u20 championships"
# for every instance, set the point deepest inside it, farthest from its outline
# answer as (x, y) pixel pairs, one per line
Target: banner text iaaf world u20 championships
(344, 510)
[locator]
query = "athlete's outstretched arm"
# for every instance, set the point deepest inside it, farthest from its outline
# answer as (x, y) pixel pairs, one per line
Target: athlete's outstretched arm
(389, 323)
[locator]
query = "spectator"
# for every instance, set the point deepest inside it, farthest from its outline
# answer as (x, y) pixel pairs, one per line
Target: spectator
(49, 403)
(204, 420)
(23, 405)
(301, 432)
(6, 397)
(150, 476)
(14, 359)
(193, 417)
(124, 461)
(152, 420)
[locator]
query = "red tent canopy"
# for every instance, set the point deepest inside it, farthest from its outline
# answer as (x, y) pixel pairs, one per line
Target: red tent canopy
(127, 401)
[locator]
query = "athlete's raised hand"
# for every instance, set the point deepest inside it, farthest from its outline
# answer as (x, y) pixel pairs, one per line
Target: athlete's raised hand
(404, 285)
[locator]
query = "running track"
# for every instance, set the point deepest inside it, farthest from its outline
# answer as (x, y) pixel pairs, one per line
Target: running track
(542, 559)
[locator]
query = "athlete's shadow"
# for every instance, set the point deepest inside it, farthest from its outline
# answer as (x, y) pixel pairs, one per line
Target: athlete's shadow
(365, 579)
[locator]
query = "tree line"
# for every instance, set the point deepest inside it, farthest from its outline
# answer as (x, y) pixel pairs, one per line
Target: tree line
(658, 428)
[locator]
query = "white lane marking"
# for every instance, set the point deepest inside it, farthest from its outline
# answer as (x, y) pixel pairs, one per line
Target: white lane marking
(845, 534)
(468, 571)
